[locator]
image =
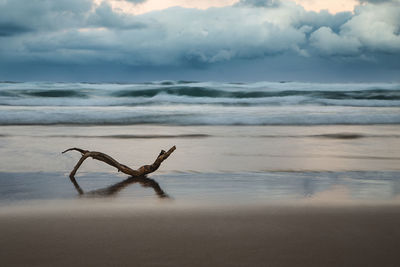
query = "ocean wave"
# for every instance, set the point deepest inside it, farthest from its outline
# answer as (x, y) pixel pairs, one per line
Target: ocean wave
(199, 103)
(198, 115)
(185, 92)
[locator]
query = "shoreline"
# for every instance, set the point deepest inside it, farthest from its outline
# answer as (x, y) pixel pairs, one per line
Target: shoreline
(204, 189)
(205, 148)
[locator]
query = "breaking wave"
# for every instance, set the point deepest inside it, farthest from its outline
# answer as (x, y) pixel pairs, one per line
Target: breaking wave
(199, 103)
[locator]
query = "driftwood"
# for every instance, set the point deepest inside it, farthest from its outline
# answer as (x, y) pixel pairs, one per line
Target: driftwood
(141, 172)
(137, 176)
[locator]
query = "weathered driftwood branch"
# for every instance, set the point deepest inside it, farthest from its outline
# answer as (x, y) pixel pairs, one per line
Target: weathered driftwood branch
(141, 172)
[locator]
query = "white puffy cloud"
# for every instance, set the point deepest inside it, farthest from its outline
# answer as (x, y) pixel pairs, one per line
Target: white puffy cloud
(330, 43)
(373, 28)
(376, 26)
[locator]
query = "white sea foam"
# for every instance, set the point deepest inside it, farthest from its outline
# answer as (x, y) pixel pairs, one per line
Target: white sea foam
(190, 103)
(199, 115)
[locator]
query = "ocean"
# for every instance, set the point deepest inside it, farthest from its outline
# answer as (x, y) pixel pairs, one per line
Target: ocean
(236, 142)
(199, 103)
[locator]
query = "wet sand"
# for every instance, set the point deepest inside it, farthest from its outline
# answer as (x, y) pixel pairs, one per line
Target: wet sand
(253, 236)
(205, 149)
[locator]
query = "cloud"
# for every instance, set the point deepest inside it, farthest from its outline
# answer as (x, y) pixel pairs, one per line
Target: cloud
(373, 28)
(377, 1)
(44, 14)
(259, 3)
(323, 19)
(330, 43)
(377, 27)
(176, 36)
(105, 16)
(82, 33)
(135, 1)
(10, 29)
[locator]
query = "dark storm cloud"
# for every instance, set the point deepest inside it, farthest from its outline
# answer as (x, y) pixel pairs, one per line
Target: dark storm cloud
(78, 33)
(44, 14)
(10, 29)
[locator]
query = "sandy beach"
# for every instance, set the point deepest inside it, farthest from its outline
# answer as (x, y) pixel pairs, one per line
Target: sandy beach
(230, 196)
(252, 236)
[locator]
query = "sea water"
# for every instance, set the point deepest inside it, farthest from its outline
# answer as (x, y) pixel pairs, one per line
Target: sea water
(199, 103)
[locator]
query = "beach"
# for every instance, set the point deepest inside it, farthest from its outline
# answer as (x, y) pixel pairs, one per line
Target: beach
(229, 198)
(252, 236)
(281, 181)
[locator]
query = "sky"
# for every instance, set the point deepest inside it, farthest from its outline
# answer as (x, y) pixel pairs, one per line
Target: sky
(218, 40)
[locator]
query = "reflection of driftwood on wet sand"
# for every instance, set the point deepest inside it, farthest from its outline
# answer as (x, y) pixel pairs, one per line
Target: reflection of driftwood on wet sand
(115, 188)
(138, 175)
